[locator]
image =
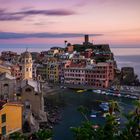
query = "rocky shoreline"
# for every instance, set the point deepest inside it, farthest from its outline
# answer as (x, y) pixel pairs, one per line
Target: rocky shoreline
(54, 114)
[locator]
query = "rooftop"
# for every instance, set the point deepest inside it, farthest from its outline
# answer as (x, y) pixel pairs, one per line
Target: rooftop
(26, 55)
(2, 103)
(5, 75)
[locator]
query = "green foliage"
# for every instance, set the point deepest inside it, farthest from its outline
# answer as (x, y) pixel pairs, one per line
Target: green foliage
(17, 136)
(110, 130)
(84, 132)
(44, 134)
(84, 111)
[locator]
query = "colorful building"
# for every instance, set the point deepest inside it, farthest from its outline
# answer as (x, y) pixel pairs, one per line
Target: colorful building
(88, 73)
(97, 75)
(53, 70)
(4, 68)
(7, 86)
(10, 118)
(26, 62)
(16, 71)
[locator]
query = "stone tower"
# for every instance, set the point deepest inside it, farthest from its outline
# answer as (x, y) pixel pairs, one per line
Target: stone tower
(26, 65)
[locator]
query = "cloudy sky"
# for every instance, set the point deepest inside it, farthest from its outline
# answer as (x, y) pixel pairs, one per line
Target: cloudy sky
(53, 21)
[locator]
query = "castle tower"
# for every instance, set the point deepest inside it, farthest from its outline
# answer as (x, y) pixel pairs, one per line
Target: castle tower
(27, 65)
(86, 39)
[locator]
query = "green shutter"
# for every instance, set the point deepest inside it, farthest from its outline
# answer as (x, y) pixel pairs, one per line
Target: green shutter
(3, 118)
(3, 130)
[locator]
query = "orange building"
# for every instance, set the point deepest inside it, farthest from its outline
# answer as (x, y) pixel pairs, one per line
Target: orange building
(10, 118)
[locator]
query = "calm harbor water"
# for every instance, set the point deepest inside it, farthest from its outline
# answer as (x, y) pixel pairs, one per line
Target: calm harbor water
(129, 61)
(70, 115)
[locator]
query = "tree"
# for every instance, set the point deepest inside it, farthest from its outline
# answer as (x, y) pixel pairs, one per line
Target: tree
(44, 134)
(83, 110)
(17, 136)
(132, 129)
(110, 130)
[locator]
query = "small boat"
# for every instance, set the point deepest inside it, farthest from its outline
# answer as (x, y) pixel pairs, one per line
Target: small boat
(96, 91)
(103, 92)
(95, 126)
(93, 116)
(104, 106)
(118, 120)
(80, 91)
(133, 97)
(105, 114)
(94, 113)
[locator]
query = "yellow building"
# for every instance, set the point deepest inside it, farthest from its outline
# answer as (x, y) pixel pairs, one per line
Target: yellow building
(10, 118)
(53, 70)
(4, 69)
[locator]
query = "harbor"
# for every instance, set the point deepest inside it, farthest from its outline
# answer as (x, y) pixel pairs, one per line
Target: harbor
(132, 92)
(69, 100)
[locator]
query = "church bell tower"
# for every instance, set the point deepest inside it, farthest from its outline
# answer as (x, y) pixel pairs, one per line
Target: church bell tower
(27, 65)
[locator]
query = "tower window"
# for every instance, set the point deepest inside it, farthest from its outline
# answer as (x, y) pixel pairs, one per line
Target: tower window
(26, 60)
(26, 69)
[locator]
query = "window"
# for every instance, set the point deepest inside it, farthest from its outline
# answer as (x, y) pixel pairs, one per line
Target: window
(5, 85)
(3, 130)
(26, 69)
(3, 118)
(28, 90)
(27, 104)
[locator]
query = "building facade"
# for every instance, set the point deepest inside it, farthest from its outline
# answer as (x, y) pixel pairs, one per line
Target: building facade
(7, 86)
(26, 62)
(10, 118)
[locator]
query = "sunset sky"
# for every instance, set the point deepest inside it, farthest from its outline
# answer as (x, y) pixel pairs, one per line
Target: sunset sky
(53, 21)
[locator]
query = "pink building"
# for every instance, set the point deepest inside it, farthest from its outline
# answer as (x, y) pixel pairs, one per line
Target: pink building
(97, 75)
(16, 71)
(74, 75)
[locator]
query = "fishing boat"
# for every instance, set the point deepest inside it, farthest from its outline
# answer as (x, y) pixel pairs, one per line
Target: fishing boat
(94, 113)
(105, 114)
(104, 106)
(80, 91)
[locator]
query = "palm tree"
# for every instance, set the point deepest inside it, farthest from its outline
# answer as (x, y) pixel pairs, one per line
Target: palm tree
(83, 110)
(132, 130)
(113, 106)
